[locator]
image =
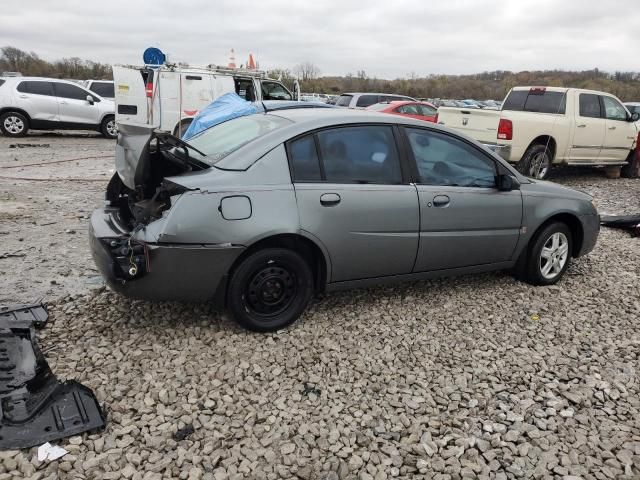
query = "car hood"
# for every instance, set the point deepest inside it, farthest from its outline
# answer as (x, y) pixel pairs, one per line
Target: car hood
(550, 189)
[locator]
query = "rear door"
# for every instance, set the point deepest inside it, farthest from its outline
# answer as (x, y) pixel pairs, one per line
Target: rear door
(73, 104)
(589, 131)
(620, 133)
(132, 103)
(272, 90)
(38, 99)
(464, 219)
(354, 198)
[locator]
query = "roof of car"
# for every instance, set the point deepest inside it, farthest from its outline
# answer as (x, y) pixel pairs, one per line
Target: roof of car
(376, 93)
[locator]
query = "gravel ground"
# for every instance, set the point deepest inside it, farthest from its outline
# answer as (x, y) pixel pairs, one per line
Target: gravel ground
(473, 377)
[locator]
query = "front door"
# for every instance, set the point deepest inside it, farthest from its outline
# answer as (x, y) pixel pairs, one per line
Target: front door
(353, 197)
(73, 104)
(620, 133)
(464, 219)
(588, 134)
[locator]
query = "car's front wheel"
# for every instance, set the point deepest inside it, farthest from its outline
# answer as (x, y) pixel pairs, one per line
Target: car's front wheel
(14, 124)
(270, 289)
(549, 255)
(109, 128)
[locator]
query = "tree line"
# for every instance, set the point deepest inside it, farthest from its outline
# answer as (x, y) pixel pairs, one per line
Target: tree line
(481, 86)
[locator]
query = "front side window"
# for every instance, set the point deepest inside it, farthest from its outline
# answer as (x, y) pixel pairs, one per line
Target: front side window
(408, 109)
(589, 105)
(446, 161)
(362, 154)
(36, 88)
(427, 111)
(613, 109)
(66, 90)
(304, 160)
(104, 89)
(220, 140)
(274, 91)
(366, 100)
(245, 89)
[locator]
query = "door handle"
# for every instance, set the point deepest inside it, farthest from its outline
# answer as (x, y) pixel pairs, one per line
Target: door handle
(23, 96)
(62, 102)
(441, 201)
(329, 199)
(612, 128)
(582, 125)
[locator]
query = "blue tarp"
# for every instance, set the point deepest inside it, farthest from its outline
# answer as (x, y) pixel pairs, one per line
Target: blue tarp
(226, 107)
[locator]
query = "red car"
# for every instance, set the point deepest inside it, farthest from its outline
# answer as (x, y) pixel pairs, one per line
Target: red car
(420, 110)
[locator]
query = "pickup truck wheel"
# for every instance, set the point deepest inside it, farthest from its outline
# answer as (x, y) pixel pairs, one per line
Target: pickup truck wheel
(632, 168)
(270, 289)
(536, 162)
(549, 255)
(109, 128)
(14, 124)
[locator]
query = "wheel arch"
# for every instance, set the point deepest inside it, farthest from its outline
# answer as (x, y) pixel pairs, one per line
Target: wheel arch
(302, 244)
(546, 140)
(575, 227)
(16, 110)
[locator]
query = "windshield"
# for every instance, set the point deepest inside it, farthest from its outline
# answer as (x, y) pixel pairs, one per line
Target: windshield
(220, 140)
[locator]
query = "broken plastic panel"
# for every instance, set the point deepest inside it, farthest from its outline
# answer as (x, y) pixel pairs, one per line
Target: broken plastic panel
(34, 406)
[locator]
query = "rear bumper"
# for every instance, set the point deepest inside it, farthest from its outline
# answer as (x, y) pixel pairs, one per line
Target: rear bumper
(171, 271)
(503, 150)
(590, 230)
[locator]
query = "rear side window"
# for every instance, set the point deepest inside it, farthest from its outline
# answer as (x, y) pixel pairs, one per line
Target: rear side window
(427, 111)
(66, 90)
(535, 100)
(35, 88)
(589, 105)
(408, 109)
(344, 100)
(104, 89)
(363, 154)
(366, 100)
(304, 160)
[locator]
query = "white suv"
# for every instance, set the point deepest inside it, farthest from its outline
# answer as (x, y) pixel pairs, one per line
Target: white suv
(51, 104)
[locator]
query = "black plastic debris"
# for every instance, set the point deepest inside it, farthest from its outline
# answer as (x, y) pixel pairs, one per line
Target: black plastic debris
(35, 407)
(183, 433)
(624, 222)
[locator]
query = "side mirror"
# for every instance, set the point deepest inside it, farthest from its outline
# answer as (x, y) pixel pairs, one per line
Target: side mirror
(635, 116)
(90, 100)
(506, 183)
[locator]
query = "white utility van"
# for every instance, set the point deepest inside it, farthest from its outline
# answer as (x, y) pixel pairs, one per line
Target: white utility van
(169, 96)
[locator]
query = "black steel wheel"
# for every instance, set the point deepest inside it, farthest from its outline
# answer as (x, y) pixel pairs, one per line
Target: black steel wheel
(270, 289)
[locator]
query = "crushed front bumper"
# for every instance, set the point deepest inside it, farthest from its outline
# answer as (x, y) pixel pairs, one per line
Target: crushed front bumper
(183, 272)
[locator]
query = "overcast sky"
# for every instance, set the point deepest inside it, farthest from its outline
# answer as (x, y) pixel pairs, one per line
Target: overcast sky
(387, 39)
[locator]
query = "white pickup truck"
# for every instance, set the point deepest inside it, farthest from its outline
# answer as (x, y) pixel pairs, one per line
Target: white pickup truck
(543, 126)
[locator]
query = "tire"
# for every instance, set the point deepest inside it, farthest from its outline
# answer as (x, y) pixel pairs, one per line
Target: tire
(544, 251)
(536, 162)
(108, 128)
(632, 168)
(14, 124)
(270, 289)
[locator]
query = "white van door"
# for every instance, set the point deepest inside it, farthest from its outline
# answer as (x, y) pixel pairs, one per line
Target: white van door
(132, 104)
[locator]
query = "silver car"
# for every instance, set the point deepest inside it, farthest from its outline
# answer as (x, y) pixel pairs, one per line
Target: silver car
(260, 212)
(34, 103)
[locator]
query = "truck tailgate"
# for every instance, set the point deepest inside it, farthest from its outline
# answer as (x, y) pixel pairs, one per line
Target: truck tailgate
(481, 125)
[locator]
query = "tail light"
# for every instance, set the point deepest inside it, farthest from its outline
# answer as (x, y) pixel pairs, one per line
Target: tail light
(505, 129)
(148, 89)
(435, 120)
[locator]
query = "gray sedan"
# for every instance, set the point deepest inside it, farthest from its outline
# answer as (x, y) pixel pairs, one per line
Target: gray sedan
(260, 212)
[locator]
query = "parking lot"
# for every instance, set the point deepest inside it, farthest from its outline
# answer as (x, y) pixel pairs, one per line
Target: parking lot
(472, 377)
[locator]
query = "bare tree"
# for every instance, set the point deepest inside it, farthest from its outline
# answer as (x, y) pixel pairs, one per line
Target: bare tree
(306, 71)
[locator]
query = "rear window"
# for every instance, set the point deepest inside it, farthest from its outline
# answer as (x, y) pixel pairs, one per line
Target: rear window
(225, 138)
(104, 89)
(533, 100)
(378, 106)
(344, 100)
(366, 100)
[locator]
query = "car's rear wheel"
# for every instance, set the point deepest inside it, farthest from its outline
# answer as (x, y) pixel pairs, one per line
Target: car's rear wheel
(270, 289)
(549, 255)
(536, 162)
(109, 128)
(14, 124)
